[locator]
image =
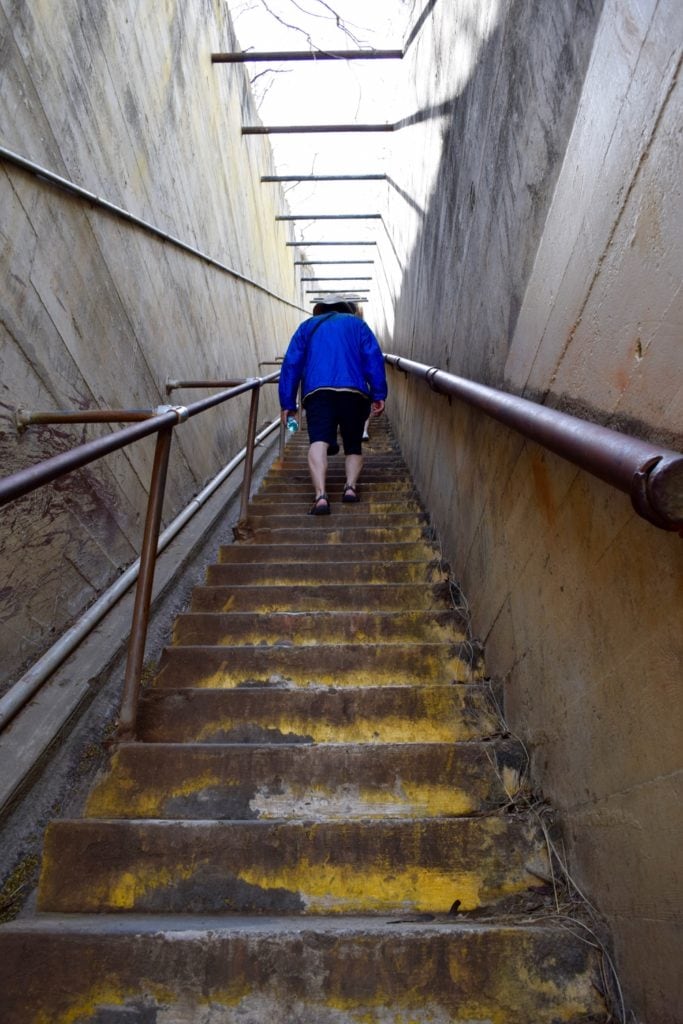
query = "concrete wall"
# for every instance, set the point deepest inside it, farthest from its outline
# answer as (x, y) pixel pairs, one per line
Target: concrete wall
(122, 99)
(540, 249)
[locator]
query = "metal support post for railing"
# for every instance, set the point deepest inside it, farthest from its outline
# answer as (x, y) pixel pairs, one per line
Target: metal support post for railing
(143, 593)
(249, 456)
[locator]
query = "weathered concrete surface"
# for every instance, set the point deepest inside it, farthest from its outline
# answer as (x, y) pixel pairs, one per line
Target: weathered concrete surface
(309, 781)
(122, 99)
(311, 971)
(367, 867)
(544, 253)
(388, 714)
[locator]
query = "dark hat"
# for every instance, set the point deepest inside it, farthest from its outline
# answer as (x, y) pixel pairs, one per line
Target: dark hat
(336, 300)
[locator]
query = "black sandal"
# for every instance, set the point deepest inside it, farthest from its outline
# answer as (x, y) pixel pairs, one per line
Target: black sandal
(320, 510)
(350, 495)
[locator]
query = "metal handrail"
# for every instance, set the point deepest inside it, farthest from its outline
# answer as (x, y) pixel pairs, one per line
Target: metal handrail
(650, 474)
(30, 479)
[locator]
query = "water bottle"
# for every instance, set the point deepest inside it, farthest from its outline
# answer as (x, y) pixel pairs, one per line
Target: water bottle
(292, 425)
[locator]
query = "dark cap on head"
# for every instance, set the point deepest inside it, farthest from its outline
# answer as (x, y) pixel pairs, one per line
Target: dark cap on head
(334, 304)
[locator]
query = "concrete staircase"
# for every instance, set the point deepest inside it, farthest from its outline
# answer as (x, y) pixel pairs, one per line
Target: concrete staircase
(317, 823)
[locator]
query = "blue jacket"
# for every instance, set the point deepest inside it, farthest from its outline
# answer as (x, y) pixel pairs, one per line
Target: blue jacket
(342, 353)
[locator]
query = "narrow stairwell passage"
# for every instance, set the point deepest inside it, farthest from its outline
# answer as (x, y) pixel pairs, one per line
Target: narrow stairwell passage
(314, 825)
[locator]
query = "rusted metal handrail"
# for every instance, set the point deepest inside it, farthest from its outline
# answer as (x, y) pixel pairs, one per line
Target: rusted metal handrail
(650, 474)
(167, 417)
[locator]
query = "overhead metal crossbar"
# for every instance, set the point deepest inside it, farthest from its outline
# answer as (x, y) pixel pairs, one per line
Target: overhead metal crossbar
(293, 129)
(309, 280)
(303, 244)
(318, 263)
(261, 56)
(330, 216)
(323, 177)
(334, 291)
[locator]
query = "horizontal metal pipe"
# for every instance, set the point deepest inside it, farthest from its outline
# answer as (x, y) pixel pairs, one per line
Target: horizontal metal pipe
(303, 245)
(63, 183)
(650, 474)
(26, 480)
(313, 129)
(333, 291)
(173, 385)
(309, 280)
(330, 216)
(260, 56)
(25, 687)
(26, 417)
(358, 299)
(331, 263)
(323, 177)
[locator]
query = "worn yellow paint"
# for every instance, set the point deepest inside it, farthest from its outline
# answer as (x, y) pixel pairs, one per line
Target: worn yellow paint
(118, 794)
(121, 892)
(433, 670)
(565, 1002)
(427, 799)
(442, 726)
(384, 888)
(86, 1005)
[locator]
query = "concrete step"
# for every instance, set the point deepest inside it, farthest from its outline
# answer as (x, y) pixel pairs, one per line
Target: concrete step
(307, 781)
(327, 597)
(369, 867)
(373, 715)
(327, 552)
(273, 519)
(377, 502)
(185, 969)
(304, 628)
(394, 664)
(385, 486)
(337, 530)
(341, 572)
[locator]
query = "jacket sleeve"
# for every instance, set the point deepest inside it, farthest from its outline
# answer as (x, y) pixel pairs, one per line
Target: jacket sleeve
(292, 368)
(373, 364)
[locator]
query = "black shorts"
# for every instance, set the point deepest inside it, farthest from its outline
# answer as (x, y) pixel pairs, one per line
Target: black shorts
(327, 410)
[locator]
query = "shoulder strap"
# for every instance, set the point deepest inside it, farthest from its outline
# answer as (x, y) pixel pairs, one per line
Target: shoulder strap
(320, 322)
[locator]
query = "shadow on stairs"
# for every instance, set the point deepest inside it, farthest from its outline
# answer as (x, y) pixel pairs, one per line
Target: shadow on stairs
(317, 822)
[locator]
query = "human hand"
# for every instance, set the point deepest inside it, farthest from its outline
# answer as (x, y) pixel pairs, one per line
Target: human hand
(377, 407)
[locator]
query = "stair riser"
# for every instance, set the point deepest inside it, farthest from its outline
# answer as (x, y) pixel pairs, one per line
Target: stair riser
(320, 628)
(332, 665)
(335, 531)
(333, 551)
(306, 781)
(369, 505)
(346, 572)
(359, 519)
(332, 597)
(370, 715)
(292, 868)
(352, 974)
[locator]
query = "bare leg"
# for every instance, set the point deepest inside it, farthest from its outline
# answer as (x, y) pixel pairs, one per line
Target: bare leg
(353, 464)
(317, 464)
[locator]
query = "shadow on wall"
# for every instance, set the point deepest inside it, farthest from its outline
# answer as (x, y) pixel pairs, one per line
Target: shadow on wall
(502, 149)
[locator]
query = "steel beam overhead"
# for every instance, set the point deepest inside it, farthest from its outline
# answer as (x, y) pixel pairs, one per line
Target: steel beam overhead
(334, 291)
(260, 56)
(302, 245)
(330, 216)
(335, 278)
(303, 129)
(354, 299)
(323, 177)
(334, 263)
